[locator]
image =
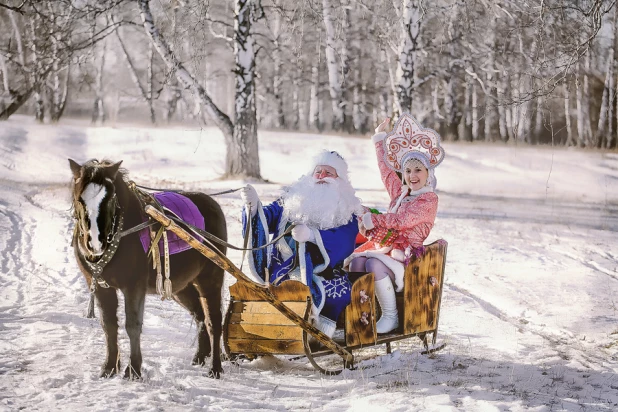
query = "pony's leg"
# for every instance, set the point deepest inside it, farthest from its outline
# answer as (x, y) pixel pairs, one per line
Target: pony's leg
(208, 285)
(108, 307)
(134, 311)
(189, 298)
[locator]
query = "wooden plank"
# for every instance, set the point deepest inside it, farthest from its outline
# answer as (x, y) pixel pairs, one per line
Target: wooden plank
(357, 331)
(266, 308)
(423, 289)
(221, 260)
(260, 319)
(263, 346)
(249, 331)
(290, 290)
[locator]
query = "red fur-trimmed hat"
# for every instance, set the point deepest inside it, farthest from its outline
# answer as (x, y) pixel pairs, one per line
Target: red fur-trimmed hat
(409, 140)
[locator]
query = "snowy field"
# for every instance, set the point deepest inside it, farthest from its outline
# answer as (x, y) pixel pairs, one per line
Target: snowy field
(529, 311)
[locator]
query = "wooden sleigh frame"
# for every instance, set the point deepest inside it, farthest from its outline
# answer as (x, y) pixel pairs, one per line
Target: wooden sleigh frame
(275, 319)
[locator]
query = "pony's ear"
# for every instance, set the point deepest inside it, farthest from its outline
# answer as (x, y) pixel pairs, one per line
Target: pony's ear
(75, 168)
(113, 170)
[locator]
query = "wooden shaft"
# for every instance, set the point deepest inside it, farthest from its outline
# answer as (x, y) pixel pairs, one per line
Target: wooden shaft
(263, 292)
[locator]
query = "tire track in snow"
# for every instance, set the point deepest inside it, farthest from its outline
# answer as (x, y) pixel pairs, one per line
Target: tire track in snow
(10, 257)
(566, 345)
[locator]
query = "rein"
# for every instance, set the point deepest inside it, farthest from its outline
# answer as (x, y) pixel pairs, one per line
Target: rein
(118, 233)
(179, 191)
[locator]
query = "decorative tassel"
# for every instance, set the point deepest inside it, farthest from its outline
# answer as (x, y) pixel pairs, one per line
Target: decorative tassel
(90, 311)
(168, 282)
(156, 264)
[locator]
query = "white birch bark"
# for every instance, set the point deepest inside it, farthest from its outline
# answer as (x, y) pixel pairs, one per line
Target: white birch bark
(334, 79)
(410, 32)
(242, 156)
(98, 112)
(468, 111)
(490, 82)
(314, 101)
(538, 125)
(475, 113)
(567, 115)
(39, 108)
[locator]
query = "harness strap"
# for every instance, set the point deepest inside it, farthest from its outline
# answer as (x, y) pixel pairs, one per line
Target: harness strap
(179, 191)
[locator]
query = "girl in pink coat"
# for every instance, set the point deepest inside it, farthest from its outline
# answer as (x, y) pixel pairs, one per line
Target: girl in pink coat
(395, 236)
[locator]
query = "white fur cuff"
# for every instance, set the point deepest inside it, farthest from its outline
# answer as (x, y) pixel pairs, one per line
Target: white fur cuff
(378, 137)
(367, 222)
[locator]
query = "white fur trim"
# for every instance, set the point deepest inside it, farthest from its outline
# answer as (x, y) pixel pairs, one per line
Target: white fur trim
(249, 256)
(378, 137)
(302, 233)
(335, 160)
(320, 243)
(367, 222)
(398, 255)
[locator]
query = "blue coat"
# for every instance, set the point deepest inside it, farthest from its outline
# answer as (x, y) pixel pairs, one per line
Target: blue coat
(317, 264)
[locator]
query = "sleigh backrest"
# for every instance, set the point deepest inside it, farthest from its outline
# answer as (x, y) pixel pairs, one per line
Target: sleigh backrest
(422, 292)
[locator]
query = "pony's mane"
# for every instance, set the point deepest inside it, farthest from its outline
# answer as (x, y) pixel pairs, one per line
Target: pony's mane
(92, 174)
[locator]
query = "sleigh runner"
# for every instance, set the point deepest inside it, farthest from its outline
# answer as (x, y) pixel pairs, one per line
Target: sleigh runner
(275, 319)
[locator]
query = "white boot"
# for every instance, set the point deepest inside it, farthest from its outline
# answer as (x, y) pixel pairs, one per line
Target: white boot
(326, 325)
(386, 296)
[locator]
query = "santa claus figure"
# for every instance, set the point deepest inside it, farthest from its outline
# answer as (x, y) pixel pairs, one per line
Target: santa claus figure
(322, 206)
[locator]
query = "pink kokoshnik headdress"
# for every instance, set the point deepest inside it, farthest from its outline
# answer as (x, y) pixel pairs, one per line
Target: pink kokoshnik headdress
(409, 140)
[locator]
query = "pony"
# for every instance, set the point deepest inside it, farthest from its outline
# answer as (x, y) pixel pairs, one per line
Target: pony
(103, 201)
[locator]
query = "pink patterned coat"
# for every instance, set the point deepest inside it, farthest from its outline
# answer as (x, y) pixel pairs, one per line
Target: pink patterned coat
(412, 221)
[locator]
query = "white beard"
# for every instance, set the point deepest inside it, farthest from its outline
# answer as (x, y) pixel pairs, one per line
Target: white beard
(322, 206)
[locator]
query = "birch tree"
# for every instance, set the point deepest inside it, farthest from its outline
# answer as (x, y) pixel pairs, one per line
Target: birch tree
(241, 136)
(335, 80)
(409, 44)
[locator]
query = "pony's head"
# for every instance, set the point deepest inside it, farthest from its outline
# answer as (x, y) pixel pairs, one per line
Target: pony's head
(94, 203)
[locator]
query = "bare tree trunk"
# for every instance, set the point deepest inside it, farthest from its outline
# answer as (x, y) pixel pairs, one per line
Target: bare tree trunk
(242, 156)
(4, 72)
(410, 35)
(435, 104)
(491, 97)
(567, 115)
(538, 125)
(150, 82)
(174, 94)
(314, 102)
(98, 112)
(475, 113)
(510, 112)
(605, 112)
(334, 79)
(502, 125)
(39, 107)
(135, 77)
(467, 134)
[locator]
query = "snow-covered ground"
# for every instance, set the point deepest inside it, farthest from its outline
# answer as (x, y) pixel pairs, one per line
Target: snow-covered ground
(529, 311)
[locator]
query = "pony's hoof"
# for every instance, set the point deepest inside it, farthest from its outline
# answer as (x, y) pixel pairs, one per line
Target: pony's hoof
(198, 360)
(107, 373)
(131, 374)
(215, 374)
(109, 370)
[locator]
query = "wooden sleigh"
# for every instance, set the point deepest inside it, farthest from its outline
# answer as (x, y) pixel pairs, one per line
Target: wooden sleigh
(275, 319)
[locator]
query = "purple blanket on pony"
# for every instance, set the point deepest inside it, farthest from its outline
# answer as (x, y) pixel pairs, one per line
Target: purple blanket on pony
(186, 210)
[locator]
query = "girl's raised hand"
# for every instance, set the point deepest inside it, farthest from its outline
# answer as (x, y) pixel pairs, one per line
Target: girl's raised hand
(383, 126)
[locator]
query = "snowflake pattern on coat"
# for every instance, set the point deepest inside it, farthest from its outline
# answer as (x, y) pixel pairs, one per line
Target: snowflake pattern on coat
(336, 287)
